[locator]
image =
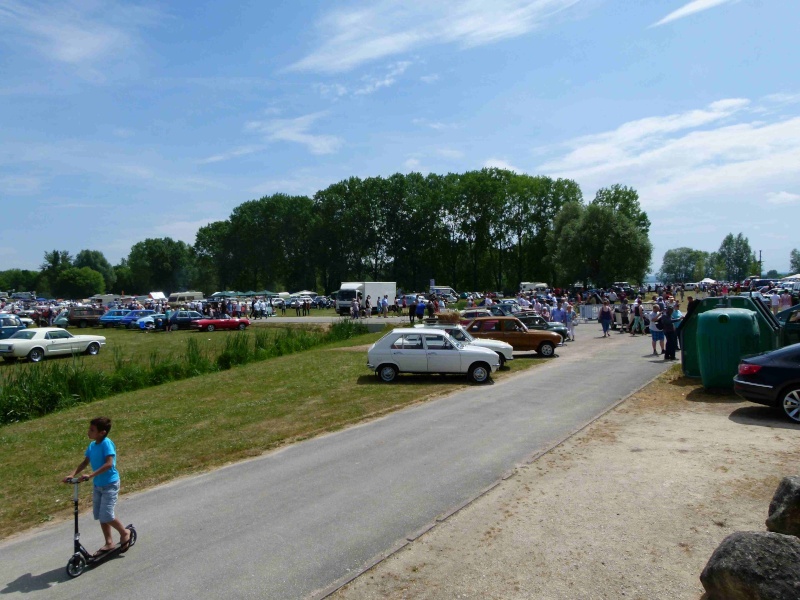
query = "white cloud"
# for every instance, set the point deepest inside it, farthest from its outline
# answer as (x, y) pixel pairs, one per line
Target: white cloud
(691, 8)
(498, 163)
(334, 90)
(429, 78)
(296, 130)
(235, 153)
(79, 34)
(783, 198)
(450, 153)
(354, 36)
(437, 125)
(721, 150)
(373, 84)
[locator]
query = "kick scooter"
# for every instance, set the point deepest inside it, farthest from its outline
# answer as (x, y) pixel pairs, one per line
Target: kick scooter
(82, 559)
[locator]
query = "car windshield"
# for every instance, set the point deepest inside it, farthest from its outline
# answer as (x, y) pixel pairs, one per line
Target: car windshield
(25, 334)
(460, 335)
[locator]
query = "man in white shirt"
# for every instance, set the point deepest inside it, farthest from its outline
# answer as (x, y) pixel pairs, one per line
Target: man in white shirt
(775, 302)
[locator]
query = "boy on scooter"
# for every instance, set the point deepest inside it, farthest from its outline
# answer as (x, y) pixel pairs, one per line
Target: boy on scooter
(102, 455)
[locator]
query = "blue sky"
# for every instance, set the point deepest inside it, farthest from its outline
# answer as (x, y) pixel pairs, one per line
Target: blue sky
(121, 121)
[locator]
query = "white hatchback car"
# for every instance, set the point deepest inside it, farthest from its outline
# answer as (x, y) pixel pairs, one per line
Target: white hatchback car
(429, 350)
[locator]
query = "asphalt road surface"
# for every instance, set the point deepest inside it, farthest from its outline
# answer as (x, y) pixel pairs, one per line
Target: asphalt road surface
(299, 521)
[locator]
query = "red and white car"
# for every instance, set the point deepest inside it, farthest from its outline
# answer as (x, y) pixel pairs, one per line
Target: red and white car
(225, 322)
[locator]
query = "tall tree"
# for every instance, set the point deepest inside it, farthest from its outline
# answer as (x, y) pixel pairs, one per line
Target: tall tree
(680, 264)
(624, 200)
(160, 264)
(95, 260)
(794, 261)
(735, 255)
(83, 282)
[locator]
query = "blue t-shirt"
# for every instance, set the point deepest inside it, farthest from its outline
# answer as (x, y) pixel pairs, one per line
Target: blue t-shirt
(97, 453)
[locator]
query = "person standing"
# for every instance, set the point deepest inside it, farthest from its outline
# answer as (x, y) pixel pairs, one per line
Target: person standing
(570, 317)
(775, 302)
(656, 332)
(385, 306)
(605, 316)
(668, 329)
(412, 309)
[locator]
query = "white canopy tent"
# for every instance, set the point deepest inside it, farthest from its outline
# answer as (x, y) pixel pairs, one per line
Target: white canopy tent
(707, 280)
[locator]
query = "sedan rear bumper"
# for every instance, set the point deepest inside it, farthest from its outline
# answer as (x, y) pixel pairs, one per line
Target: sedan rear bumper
(754, 392)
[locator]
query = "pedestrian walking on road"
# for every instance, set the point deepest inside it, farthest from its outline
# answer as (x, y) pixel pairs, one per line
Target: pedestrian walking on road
(606, 314)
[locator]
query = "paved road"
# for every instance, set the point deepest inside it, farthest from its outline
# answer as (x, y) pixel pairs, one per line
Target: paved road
(291, 523)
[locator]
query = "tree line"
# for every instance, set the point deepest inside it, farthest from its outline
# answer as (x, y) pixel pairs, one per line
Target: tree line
(478, 230)
(733, 261)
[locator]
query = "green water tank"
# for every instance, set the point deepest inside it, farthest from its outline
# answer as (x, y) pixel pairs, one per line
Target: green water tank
(724, 336)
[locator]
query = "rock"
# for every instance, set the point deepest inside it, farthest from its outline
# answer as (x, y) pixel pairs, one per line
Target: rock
(751, 565)
(784, 510)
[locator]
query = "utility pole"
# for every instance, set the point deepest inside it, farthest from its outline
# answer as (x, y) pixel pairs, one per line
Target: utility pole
(760, 268)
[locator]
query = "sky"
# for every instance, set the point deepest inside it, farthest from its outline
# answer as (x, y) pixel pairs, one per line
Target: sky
(121, 121)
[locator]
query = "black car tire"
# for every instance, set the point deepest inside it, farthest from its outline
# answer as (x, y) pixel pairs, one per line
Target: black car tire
(210, 327)
(82, 324)
(36, 355)
(546, 349)
(242, 326)
(93, 349)
(790, 402)
(480, 372)
(502, 360)
(387, 373)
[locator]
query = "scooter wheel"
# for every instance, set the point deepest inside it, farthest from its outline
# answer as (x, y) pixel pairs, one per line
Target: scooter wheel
(76, 565)
(132, 529)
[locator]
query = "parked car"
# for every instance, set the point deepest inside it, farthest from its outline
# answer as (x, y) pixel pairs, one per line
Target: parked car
(9, 325)
(512, 331)
(529, 318)
(84, 316)
(503, 350)
(428, 350)
(129, 320)
(790, 321)
(182, 319)
(224, 322)
(154, 321)
(772, 378)
(36, 344)
(62, 320)
(113, 317)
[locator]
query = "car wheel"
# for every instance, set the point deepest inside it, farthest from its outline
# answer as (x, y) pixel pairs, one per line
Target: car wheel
(546, 349)
(790, 403)
(93, 349)
(387, 373)
(242, 326)
(479, 372)
(36, 355)
(210, 328)
(82, 324)
(502, 360)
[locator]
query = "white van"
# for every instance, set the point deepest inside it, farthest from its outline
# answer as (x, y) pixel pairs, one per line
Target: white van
(181, 298)
(537, 287)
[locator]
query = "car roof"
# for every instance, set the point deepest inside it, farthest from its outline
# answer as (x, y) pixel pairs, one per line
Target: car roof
(417, 330)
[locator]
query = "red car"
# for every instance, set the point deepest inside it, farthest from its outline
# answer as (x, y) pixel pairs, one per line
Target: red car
(225, 322)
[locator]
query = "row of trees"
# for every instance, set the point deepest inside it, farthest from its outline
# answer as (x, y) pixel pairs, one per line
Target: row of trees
(734, 261)
(478, 230)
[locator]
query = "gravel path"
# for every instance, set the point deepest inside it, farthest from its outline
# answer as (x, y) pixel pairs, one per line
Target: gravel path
(631, 507)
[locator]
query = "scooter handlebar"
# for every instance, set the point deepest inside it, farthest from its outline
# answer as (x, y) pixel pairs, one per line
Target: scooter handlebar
(78, 479)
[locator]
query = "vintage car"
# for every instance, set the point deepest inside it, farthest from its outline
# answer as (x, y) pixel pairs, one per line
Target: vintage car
(182, 319)
(114, 317)
(154, 321)
(129, 320)
(529, 318)
(9, 325)
(504, 351)
(83, 316)
(36, 344)
(429, 350)
(224, 322)
(512, 331)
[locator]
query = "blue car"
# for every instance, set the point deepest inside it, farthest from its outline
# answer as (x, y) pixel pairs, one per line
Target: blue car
(113, 317)
(129, 320)
(9, 325)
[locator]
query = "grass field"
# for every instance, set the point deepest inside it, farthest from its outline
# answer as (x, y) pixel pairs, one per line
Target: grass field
(188, 426)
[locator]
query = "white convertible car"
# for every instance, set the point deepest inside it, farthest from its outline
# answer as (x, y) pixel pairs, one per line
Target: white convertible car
(429, 350)
(35, 344)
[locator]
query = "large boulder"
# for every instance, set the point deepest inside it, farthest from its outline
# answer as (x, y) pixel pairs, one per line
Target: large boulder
(751, 565)
(784, 510)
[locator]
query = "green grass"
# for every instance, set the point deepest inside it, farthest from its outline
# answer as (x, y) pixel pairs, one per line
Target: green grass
(193, 425)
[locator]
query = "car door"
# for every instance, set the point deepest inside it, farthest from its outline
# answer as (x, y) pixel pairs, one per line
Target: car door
(9, 325)
(409, 354)
(792, 327)
(57, 343)
(514, 333)
(443, 357)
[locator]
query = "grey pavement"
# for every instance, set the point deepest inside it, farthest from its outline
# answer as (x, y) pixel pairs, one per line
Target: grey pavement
(296, 521)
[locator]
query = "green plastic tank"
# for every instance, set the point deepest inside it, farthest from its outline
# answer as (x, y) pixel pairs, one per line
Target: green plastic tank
(724, 336)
